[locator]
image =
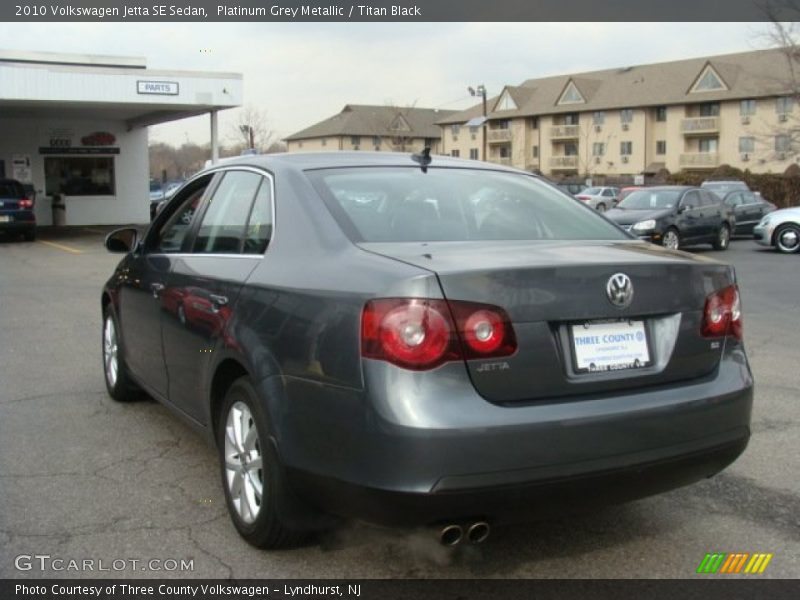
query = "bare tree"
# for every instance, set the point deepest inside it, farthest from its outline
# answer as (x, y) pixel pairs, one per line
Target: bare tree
(784, 34)
(251, 129)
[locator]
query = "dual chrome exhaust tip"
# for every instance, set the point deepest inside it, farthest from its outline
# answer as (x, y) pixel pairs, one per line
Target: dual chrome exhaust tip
(453, 534)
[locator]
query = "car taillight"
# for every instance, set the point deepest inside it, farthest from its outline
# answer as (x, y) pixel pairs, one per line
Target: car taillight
(26, 203)
(422, 333)
(723, 314)
(582, 197)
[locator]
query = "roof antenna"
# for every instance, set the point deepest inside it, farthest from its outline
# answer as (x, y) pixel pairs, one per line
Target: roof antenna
(423, 158)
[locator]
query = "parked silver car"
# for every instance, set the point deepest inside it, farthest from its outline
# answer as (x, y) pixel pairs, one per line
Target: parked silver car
(599, 198)
(780, 229)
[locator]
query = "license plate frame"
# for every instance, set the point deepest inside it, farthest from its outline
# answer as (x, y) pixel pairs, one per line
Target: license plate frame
(610, 356)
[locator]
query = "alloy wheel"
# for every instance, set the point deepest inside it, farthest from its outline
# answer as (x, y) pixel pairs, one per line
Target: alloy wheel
(788, 240)
(110, 350)
(243, 462)
(724, 237)
(671, 240)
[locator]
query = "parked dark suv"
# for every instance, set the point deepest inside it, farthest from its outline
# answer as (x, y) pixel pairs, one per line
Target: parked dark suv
(16, 210)
(420, 340)
(676, 216)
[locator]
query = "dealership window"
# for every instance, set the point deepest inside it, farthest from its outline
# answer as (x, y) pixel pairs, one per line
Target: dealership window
(473, 153)
(536, 152)
(661, 147)
(747, 108)
(661, 113)
(783, 105)
(599, 117)
(626, 115)
(455, 153)
(747, 144)
(80, 175)
(782, 143)
(626, 148)
(598, 149)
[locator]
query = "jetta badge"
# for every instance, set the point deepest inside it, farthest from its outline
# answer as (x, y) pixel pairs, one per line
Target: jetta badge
(619, 290)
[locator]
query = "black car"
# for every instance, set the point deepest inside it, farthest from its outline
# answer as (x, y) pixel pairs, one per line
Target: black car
(419, 340)
(676, 216)
(748, 208)
(16, 210)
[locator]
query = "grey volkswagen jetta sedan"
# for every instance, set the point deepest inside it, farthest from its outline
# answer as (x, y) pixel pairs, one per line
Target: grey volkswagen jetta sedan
(417, 340)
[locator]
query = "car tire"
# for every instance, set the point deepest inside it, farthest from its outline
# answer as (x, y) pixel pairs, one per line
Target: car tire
(787, 239)
(30, 235)
(118, 383)
(256, 492)
(601, 207)
(671, 239)
(723, 238)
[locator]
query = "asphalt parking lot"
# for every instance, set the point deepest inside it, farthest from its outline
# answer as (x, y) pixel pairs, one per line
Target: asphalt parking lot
(82, 477)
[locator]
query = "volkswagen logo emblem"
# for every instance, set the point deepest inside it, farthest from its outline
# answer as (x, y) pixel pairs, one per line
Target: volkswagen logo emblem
(619, 290)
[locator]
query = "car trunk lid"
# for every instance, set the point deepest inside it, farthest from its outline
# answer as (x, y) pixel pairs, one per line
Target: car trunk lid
(547, 288)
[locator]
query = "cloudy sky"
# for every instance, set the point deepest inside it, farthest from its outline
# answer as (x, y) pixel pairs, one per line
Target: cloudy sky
(300, 73)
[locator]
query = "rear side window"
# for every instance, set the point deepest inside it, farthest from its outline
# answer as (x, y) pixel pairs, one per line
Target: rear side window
(259, 226)
(225, 219)
(11, 190)
(404, 204)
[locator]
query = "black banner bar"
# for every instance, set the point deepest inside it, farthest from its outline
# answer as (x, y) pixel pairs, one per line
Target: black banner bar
(702, 587)
(398, 10)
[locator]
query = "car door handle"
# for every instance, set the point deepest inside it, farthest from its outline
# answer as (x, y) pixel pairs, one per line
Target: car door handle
(217, 301)
(156, 288)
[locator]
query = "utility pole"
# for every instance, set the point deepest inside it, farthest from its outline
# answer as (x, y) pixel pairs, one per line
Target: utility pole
(481, 91)
(250, 132)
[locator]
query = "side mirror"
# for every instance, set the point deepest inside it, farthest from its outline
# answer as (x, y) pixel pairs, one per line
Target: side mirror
(683, 208)
(122, 240)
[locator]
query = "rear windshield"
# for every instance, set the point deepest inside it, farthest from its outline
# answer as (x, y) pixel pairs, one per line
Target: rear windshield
(404, 204)
(649, 199)
(11, 189)
(722, 188)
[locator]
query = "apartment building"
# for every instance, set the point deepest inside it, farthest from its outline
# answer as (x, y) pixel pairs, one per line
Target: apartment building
(697, 114)
(373, 128)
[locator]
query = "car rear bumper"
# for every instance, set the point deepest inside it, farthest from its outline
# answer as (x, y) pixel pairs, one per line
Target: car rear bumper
(17, 222)
(514, 496)
(418, 454)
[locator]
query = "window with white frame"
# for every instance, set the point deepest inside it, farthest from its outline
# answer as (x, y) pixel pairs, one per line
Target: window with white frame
(626, 148)
(747, 144)
(747, 108)
(598, 149)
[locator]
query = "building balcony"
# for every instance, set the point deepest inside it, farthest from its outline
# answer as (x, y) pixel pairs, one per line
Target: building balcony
(699, 160)
(563, 162)
(498, 136)
(500, 160)
(565, 132)
(700, 125)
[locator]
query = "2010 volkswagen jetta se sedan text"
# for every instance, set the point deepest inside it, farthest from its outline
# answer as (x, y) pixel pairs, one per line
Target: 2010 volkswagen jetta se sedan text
(417, 340)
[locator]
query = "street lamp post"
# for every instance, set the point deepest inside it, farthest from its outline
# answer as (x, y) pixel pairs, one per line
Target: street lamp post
(481, 91)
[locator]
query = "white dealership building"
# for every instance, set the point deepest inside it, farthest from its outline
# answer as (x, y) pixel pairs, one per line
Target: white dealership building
(74, 129)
